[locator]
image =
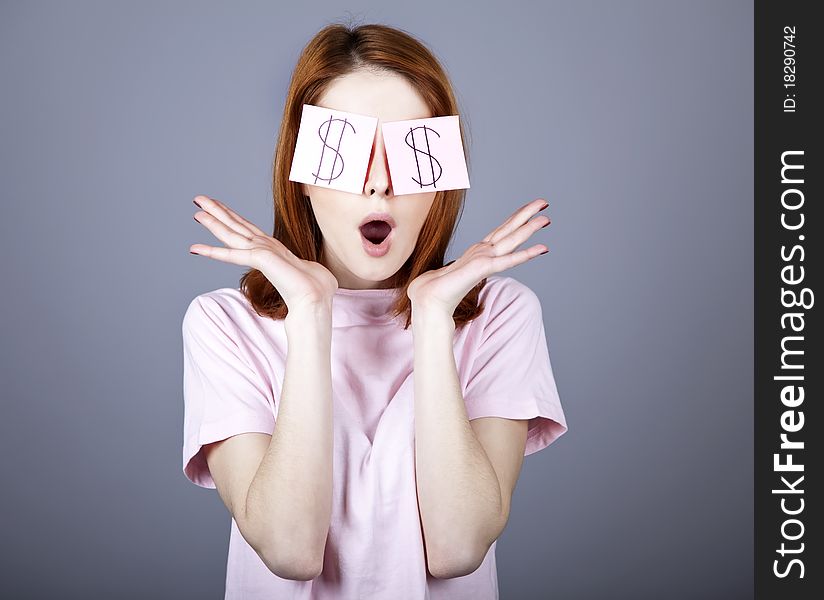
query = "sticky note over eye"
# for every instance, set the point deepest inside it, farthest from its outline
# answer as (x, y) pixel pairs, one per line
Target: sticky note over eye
(425, 155)
(333, 149)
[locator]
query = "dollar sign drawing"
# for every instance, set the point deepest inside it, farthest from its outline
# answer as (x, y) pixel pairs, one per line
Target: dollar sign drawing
(324, 137)
(410, 141)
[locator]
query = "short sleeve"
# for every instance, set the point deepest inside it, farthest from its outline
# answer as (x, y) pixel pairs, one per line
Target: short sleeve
(223, 395)
(511, 374)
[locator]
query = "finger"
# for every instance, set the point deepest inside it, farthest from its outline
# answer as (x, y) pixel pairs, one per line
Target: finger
(518, 218)
(240, 219)
(510, 242)
(507, 261)
(221, 231)
(227, 215)
(234, 256)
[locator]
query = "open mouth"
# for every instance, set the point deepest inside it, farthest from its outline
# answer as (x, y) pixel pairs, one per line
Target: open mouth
(376, 231)
(377, 234)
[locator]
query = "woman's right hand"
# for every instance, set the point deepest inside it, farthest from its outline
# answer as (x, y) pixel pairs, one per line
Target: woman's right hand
(301, 283)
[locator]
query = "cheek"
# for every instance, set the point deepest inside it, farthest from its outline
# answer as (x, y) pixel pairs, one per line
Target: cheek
(416, 208)
(331, 214)
(421, 212)
(335, 230)
(414, 221)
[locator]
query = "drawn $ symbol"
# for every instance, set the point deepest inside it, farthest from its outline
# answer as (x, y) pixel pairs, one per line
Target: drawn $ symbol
(433, 162)
(324, 136)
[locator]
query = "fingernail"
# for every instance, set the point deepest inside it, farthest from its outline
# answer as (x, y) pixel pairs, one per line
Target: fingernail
(190, 252)
(196, 204)
(544, 252)
(195, 218)
(543, 207)
(545, 224)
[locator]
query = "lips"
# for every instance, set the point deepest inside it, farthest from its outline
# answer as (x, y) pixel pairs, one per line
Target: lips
(376, 233)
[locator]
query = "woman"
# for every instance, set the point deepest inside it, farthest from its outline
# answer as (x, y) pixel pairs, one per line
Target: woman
(364, 417)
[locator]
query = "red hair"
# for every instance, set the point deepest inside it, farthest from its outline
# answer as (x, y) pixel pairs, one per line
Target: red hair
(335, 51)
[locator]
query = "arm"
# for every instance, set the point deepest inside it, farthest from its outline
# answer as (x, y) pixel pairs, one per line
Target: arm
(466, 471)
(280, 493)
(465, 480)
(281, 496)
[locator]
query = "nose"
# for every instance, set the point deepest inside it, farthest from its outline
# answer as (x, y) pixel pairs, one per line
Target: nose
(378, 180)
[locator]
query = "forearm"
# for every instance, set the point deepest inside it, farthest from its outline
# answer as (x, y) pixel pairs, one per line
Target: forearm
(290, 497)
(458, 491)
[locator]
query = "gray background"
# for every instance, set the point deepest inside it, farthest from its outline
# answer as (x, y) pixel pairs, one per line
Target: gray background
(633, 119)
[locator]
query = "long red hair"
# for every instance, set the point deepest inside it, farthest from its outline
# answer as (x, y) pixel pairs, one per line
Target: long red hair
(335, 51)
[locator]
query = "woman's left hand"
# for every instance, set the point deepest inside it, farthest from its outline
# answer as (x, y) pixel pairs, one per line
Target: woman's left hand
(444, 288)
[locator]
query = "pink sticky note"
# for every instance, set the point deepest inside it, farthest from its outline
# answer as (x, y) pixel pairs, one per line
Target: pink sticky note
(425, 155)
(333, 148)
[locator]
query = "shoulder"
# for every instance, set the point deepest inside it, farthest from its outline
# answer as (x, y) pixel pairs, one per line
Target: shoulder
(506, 296)
(226, 308)
(509, 308)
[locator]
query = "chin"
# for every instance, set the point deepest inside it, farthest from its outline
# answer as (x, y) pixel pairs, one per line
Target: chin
(376, 273)
(376, 269)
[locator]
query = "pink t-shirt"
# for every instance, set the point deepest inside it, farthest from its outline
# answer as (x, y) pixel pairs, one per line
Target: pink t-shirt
(234, 364)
